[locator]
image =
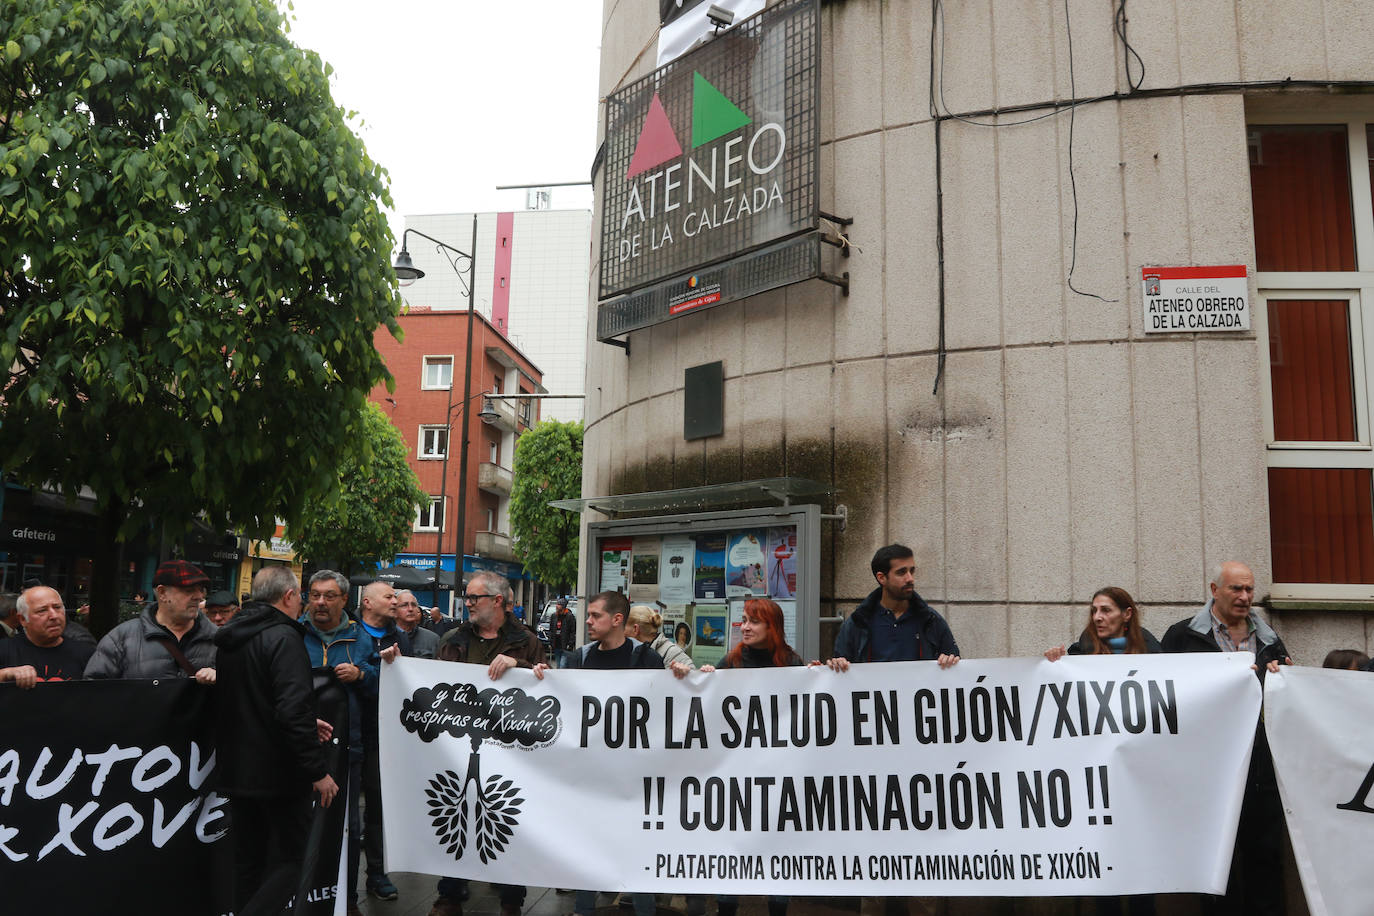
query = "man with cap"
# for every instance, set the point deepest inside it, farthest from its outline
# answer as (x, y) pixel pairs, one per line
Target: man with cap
(170, 638)
(42, 653)
(221, 607)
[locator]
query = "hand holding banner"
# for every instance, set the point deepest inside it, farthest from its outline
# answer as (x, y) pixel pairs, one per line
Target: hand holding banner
(1004, 777)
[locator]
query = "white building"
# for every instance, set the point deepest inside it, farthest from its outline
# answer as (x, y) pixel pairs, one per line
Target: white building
(531, 283)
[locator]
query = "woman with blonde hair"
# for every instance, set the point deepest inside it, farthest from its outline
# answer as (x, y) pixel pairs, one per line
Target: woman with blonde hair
(646, 625)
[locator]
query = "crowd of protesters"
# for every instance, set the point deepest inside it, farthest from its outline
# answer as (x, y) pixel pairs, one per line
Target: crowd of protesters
(259, 658)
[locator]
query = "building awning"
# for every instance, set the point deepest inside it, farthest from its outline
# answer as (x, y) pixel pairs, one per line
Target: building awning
(771, 491)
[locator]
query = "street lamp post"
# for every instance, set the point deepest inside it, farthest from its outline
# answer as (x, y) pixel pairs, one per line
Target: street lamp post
(405, 270)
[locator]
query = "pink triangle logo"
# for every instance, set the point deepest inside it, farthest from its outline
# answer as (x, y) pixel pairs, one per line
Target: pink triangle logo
(657, 142)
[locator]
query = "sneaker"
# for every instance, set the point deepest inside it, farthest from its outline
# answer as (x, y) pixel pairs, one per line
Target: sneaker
(446, 906)
(380, 886)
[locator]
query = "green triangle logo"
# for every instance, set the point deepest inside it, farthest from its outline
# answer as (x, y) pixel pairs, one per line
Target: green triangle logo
(713, 115)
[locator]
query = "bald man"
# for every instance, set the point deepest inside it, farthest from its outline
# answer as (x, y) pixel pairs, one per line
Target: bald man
(377, 614)
(42, 653)
(1228, 623)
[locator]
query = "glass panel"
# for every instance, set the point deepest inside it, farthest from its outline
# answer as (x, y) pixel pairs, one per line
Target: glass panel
(1311, 371)
(1322, 525)
(1300, 193)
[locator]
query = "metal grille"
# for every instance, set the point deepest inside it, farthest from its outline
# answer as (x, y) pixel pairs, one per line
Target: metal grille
(769, 67)
(780, 264)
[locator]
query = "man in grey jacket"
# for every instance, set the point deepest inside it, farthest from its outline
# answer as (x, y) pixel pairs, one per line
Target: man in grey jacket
(168, 639)
(423, 643)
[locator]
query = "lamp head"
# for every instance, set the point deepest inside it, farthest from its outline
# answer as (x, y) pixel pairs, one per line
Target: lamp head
(405, 268)
(488, 413)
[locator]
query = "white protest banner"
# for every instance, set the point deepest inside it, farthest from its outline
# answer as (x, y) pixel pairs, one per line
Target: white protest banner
(1006, 777)
(1317, 720)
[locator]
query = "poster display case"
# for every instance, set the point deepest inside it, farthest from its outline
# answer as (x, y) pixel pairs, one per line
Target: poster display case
(699, 569)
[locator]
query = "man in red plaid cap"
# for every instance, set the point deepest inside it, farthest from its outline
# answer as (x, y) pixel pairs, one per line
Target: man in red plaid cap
(170, 638)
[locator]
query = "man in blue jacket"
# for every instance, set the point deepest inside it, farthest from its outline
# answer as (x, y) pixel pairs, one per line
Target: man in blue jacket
(336, 641)
(894, 624)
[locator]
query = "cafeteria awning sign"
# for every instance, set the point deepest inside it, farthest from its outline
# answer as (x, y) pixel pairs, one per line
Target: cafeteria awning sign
(1184, 300)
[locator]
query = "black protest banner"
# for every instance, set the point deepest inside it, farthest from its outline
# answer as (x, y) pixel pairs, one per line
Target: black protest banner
(106, 788)
(323, 856)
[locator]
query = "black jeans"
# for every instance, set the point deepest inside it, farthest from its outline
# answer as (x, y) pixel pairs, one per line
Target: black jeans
(269, 836)
(372, 810)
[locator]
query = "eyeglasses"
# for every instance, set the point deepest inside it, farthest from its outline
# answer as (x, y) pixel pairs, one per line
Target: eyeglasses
(473, 599)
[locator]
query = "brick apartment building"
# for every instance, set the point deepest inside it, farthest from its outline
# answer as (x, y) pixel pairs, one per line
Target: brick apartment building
(425, 364)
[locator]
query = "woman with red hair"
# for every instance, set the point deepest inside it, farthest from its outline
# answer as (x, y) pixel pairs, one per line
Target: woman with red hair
(762, 644)
(761, 640)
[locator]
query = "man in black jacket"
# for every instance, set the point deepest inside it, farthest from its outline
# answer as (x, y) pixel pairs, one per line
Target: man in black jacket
(270, 761)
(1228, 624)
(894, 624)
(562, 632)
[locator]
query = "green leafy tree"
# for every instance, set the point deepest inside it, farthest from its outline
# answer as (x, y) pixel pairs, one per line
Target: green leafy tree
(377, 494)
(193, 261)
(548, 466)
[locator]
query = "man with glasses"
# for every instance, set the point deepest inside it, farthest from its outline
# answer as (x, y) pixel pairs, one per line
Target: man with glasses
(220, 607)
(491, 636)
(337, 642)
(423, 643)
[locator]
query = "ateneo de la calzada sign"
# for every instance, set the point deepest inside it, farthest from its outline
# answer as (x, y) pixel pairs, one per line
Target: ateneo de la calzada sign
(711, 173)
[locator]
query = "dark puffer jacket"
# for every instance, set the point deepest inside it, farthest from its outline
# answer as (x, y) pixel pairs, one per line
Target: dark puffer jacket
(267, 745)
(138, 649)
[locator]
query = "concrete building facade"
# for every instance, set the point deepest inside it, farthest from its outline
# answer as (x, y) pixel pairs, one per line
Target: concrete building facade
(988, 392)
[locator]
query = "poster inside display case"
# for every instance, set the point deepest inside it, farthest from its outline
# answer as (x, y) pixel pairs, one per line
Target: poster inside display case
(700, 569)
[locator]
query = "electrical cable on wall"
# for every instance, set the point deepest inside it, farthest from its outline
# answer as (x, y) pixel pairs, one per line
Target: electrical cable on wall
(1127, 52)
(1073, 183)
(941, 112)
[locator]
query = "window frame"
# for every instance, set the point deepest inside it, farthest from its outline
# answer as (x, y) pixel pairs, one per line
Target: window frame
(434, 359)
(420, 453)
(1357, 287)
(435, 516)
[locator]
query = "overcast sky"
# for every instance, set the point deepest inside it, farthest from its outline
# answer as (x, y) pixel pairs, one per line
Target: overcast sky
(455, 97)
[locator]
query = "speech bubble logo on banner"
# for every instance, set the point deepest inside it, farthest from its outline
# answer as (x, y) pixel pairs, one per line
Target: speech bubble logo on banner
(505, 717)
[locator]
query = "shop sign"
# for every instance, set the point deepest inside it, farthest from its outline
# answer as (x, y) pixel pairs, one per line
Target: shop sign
(709, 159)
(1185, 300)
